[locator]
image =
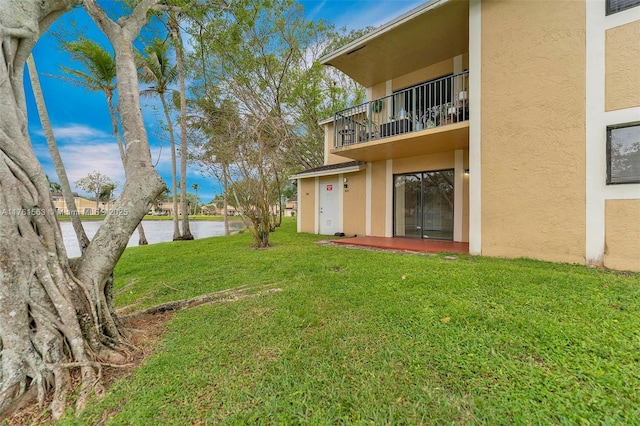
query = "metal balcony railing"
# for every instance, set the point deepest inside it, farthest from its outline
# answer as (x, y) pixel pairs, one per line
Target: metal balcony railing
(428, 105)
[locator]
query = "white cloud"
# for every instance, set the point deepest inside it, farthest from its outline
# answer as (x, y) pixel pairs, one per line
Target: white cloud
(80, 160)
(84, 150)
(79, 132)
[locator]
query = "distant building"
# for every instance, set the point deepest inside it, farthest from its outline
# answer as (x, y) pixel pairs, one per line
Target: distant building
(84, 206)
(290, 209)
(215, 209)
(164, 207)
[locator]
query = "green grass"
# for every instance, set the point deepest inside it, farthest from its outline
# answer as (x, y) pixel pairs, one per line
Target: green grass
(349, 341)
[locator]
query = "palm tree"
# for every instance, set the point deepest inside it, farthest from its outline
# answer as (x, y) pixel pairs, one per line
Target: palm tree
(64, 186)
(156, 70)
(195, 187)
(177, 38)
(55, 187)
(100, 76)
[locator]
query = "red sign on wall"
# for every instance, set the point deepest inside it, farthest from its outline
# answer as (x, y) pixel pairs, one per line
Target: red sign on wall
(329, 187)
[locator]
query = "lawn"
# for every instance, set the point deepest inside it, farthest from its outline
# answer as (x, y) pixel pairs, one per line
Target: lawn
(369, 337)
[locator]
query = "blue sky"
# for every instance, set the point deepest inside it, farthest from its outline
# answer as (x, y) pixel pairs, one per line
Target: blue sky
(81, 120)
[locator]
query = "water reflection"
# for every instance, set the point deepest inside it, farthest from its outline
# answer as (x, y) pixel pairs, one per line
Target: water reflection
(157, 231)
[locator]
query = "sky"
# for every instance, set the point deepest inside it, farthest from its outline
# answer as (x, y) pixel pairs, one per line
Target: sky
(80, 118)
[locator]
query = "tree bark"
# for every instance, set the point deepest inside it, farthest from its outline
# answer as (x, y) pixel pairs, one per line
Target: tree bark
(142, 184)
(175, 33)
(230, 295)
(114, 125)
(142, 238)
(83, 240)
(44, 309)
(174, 171)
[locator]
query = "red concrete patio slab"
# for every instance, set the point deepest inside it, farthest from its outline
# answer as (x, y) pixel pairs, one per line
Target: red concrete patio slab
(410, 244)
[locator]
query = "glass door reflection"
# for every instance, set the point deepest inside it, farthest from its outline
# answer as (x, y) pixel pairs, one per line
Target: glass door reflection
(423, 205)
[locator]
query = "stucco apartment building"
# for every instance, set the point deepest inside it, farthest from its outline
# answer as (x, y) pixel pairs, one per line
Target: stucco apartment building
(511, 125)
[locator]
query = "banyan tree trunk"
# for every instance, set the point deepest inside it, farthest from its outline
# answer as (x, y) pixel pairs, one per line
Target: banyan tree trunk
(54, 318)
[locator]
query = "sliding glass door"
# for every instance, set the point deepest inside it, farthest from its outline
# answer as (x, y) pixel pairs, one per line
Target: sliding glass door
(423, 205)
(408, 205)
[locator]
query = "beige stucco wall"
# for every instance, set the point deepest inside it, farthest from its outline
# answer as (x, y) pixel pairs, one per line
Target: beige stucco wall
(354, 198)
(622, 53)
(306, 205)
(465, 197)
(378, 198)
(429, 73)
(379, 90)
(533, 129)
(421, 163)
(622, 234)
(83, 205)
(424, 74)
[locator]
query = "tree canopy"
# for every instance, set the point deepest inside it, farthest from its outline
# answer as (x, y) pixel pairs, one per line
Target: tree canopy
(262, 93)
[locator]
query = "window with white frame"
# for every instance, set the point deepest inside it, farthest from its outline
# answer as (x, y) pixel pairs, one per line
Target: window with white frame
(623, 153)
(614, 6)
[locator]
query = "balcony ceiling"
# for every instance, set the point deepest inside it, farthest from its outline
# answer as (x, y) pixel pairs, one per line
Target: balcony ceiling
(429, 34)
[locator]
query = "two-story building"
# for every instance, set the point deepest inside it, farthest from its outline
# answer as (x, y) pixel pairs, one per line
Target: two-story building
(511, 125)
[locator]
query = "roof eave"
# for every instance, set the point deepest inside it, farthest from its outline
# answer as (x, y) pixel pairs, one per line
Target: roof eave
(362, 41)
(336, 171)
(326, 121)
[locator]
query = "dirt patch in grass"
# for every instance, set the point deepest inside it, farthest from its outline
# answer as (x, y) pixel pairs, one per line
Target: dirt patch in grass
(373, 248)
(144, 333)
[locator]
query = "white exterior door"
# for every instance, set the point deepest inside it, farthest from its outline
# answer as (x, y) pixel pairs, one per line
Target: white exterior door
(329, 207)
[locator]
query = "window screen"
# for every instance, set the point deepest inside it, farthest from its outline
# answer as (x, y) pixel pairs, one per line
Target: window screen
(623, 154)
(614, 6)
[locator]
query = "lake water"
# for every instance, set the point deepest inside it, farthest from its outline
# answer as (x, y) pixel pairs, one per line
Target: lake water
(157, 231)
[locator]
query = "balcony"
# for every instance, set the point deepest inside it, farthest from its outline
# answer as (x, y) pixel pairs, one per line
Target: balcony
(424, 110)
